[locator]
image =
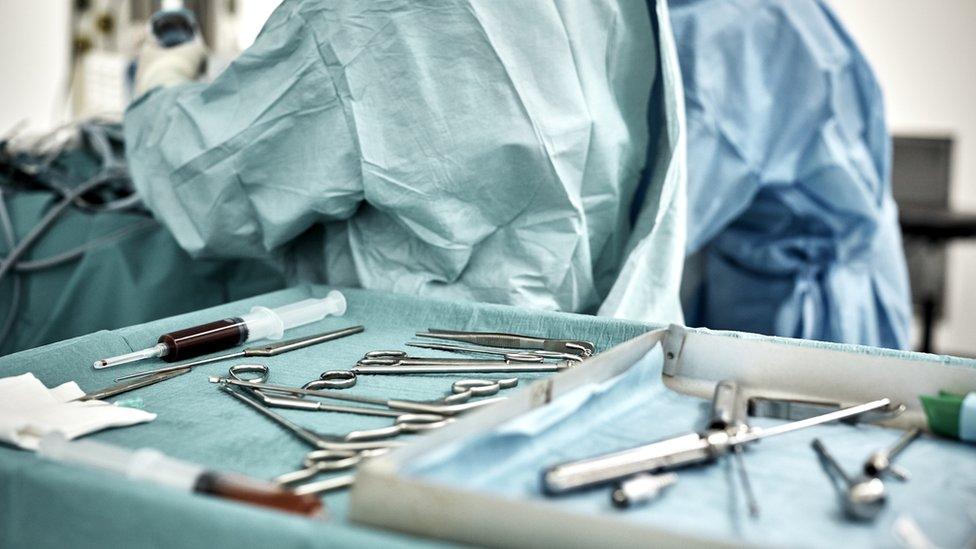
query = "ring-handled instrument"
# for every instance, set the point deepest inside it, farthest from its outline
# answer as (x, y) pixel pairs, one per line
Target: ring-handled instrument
(400, 405)
(513, 341)
(462, 390)
(260, 323)
(680, 451)
(258, 373)
(399, 362)
(403, 422)
(263, 351)
(792, 409)
(510, 355)
(312, 438)
(318, 462)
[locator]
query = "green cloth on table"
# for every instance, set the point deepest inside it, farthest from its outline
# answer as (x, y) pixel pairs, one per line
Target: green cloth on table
(45, 504)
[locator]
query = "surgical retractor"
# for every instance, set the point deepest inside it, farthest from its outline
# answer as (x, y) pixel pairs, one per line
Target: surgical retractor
(676, 452)
(260, 323)
(863, 497)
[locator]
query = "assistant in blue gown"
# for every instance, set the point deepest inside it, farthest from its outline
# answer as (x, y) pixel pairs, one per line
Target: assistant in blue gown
(792, 228)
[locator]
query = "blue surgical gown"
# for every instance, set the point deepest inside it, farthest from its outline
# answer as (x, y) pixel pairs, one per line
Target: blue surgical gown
(792, 229)
(528, 153)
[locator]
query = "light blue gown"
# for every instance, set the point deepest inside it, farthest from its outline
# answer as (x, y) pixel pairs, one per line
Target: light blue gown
(792, 229)
(528, 153)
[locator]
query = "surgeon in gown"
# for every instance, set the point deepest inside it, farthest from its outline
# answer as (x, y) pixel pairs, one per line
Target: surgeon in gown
(792, 229)
(525, 153)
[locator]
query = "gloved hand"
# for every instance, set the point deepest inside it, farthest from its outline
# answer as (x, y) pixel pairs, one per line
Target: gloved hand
(159, 66)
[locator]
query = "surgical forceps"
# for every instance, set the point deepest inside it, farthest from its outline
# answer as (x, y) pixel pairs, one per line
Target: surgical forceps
(272, 349)
(322, 461)
(131, 385)
(442, 409)
(510, 355)
(403, 363)
(353, 441)
(513, 341)
(461, 391)
(405, 421)
(329, 454)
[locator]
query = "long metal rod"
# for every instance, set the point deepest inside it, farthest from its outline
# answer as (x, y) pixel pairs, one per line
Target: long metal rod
(299, 391)
(903, 442)
(492, 368)
(751, 500)
(195, 363)
(757, 434)
(833, 468)
(514, 355)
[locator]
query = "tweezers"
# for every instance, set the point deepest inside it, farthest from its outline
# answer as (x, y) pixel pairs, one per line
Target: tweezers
(513, 341)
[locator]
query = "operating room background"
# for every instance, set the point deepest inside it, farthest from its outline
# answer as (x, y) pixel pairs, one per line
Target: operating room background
(915, 52)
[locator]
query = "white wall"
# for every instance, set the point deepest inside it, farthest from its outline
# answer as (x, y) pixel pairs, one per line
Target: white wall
(924, 54)
(34, 39)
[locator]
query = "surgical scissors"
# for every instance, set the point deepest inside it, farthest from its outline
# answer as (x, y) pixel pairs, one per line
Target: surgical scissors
(322, 461)
(461, 391)
(513, 341)
(413, 420)
(330, 454)
(404, 362)
(316, 440)
(511, 355)
(398, 363)
(442, 409)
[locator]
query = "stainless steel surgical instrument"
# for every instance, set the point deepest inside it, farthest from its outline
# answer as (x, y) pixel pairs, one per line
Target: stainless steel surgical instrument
(259, 374)
(461, 390)
(726, 416)
(325, 461)
(131, 385)
(401, 362)
(513, 341)
(392, 404)
(864, 496)
(263, 351)
(641, 488)
(346, 378)
(511, 355)
(316, 440)
(679, 451)
(794, 409)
